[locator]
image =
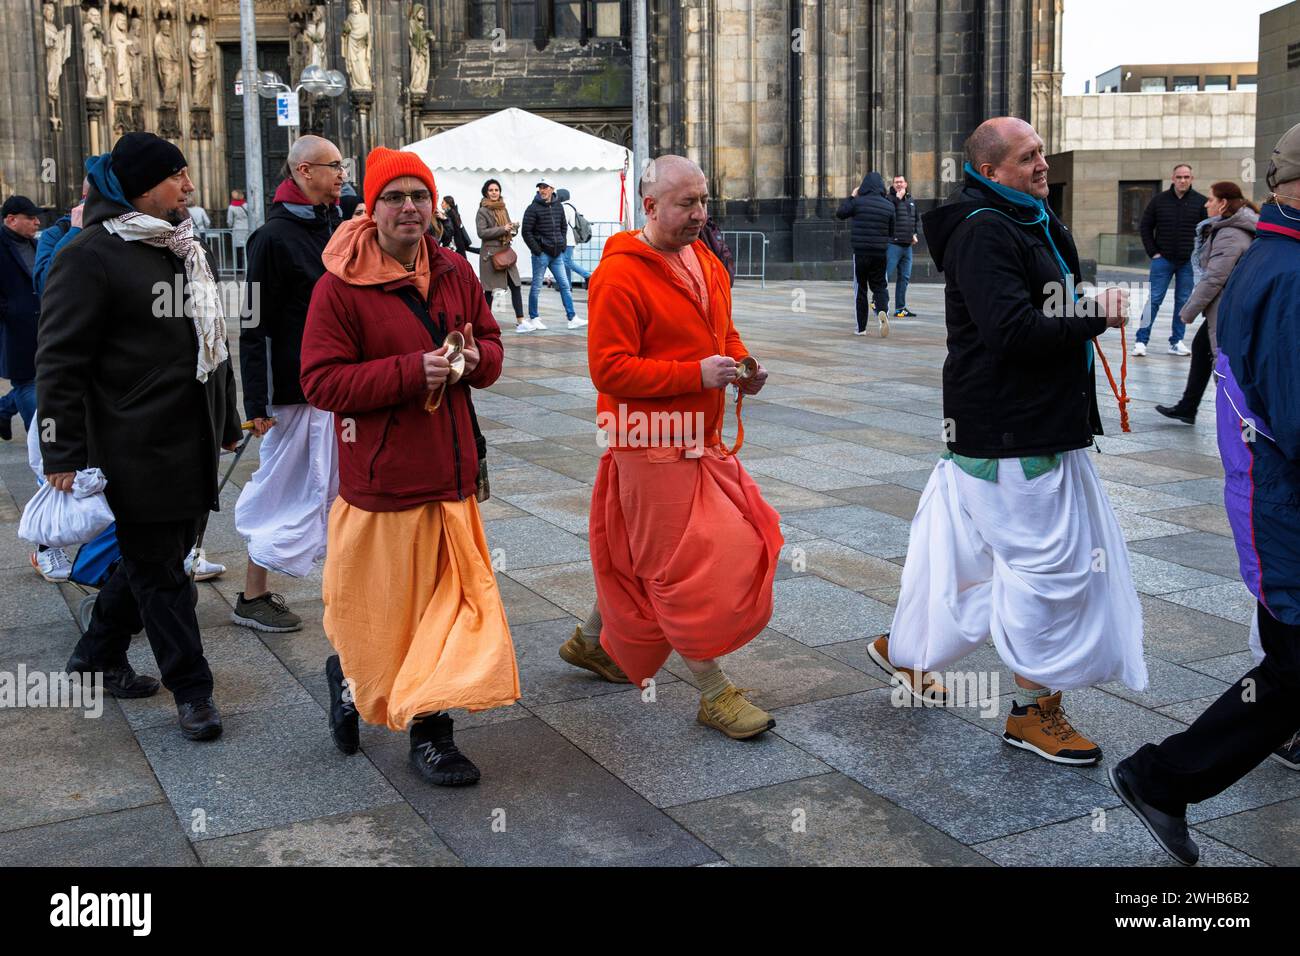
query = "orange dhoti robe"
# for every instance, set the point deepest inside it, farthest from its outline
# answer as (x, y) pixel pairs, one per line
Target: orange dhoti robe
(413, 609)
(683, 551)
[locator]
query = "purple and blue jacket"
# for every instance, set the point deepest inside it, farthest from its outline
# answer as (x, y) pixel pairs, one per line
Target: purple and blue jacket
(1258, 380)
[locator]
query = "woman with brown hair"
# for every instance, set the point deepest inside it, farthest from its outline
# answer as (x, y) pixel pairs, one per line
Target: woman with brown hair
(496, 231)
(1227, 234)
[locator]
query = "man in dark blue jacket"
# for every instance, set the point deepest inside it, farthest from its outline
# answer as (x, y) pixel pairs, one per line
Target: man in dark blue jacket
(1258, 409)
(20, 308)
(871, 230)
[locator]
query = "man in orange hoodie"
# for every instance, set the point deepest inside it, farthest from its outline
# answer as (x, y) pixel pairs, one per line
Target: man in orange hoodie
(683, 546)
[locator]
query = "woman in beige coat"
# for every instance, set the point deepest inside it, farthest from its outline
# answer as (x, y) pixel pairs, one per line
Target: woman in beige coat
(496, 231)
(1227, 234)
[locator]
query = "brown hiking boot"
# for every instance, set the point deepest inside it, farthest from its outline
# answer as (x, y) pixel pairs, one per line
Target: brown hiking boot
(1044, 729)
(735, 716)
(925, 689)
(581, 653)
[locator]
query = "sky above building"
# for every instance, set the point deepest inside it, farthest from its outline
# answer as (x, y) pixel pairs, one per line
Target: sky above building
(1100, 34)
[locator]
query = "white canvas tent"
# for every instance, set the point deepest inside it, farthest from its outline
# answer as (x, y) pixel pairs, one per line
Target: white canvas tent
(520, 149)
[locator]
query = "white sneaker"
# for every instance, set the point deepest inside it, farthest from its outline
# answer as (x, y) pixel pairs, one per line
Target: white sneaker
(524, 326)
(537, 325)
(861, 332)
(1139, 349)
(52, 564)
(204, 570)
(577, 323)
(1179, 349)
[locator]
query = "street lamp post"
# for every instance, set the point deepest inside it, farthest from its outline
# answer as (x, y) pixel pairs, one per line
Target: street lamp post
(314, 80)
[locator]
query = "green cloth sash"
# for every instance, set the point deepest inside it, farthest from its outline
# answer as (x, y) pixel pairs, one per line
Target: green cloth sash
(986, 469)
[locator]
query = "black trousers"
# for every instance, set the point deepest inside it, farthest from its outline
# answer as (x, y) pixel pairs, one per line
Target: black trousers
(516, 298)
(1236, 733)
(1198, 376)
(869, 270)
(150, 589)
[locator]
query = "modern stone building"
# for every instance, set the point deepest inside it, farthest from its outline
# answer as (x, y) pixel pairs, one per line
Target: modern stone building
(784, 103)
(1176, 78)
(1119, 150)
(1279, 84)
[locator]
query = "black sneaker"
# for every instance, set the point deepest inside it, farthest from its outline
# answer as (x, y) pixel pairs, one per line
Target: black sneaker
(1288, 755)
(344, 719)
(6, 428)
(434, 755)
(120, 681)
(904, 314)
(265, 613)
(199, 719)
(1174, 412)
(1170, 832)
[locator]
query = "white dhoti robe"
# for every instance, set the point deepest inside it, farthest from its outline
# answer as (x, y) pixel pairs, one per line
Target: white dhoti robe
(1039, 565)
(283, 511)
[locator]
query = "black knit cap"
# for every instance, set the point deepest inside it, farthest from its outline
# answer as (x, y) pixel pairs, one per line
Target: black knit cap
(142, 160)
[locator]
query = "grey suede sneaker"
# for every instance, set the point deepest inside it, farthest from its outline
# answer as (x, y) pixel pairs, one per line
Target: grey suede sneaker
(266, 613)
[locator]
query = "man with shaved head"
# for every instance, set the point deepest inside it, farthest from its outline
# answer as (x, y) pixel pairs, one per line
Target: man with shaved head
(283, 510)
(1014, 539)
(683, 547)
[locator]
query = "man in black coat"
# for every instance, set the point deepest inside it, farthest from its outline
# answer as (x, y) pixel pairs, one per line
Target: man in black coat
(898, 261)
(1014, 531)
(283, 508)
(133, 377)
(544, 233)
(1169, 234)
(870, 232)
(20, 307)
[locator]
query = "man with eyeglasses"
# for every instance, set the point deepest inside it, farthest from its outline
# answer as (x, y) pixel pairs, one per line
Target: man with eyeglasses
(283, 510)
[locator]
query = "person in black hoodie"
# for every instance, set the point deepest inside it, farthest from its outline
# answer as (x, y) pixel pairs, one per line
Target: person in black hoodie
(1014, 526)
(871, 230)
(1169, 233)
(283, 509)
(133, 376)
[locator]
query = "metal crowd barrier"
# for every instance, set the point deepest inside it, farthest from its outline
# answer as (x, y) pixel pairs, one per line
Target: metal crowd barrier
(748, 250)
(229, 255)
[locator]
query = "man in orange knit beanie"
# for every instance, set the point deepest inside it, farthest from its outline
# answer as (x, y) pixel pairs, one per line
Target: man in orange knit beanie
(683, 546)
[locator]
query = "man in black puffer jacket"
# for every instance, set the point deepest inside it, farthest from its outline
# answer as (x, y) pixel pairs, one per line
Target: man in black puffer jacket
(871, 231)
(1169, 233)
(544, 233)
(1014, 538)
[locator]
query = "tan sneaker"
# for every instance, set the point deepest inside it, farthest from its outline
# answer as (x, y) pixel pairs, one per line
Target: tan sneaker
(732, 714)
(925, 689)
(1044, 729)
(884, 324)
(580, 653)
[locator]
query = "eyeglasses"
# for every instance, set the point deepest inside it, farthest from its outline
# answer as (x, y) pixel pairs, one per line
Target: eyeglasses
(337, 165)
(421, 197)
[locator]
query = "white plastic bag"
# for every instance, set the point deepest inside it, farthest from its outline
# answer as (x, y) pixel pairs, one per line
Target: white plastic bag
(34, 452)
(58, 519)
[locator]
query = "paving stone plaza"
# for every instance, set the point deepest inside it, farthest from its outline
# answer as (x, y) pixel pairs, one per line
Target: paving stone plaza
(585, 772)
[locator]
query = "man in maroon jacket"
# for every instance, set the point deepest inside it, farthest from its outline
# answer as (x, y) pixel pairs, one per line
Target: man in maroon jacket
(411, 603)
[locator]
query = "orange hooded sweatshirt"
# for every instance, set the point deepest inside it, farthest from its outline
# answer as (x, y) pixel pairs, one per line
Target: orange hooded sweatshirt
(648, 335)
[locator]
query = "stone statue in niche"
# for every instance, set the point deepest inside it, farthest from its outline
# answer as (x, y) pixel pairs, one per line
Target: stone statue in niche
(420, 38)
(58, 46)
(200, 66)
(169, 66)
(314, 31)
(121, 41)
(135, 54)
(92, 44)
(356, 45)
